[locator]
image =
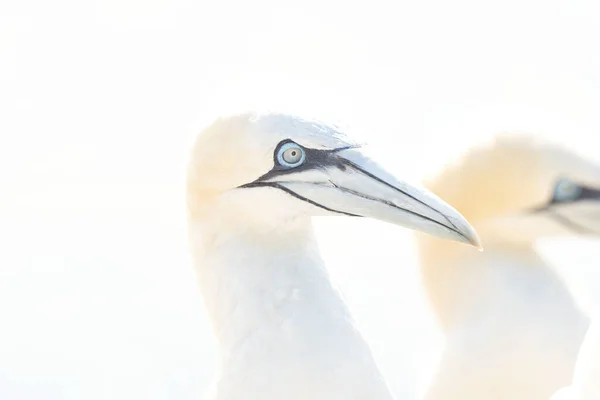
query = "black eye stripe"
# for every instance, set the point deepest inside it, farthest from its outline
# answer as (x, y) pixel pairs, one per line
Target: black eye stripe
(314, 159)
(589, 193)
(314, 152)
(584, 193)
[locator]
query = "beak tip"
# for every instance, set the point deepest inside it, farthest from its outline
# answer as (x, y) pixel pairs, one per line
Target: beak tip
(474, 240)
(468, 234)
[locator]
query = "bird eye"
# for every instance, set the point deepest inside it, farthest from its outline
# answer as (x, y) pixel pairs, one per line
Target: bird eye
(290, 155)
(565, 190)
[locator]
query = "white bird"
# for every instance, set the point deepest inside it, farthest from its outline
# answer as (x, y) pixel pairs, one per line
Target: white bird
(284, 332)
(586, 378)
(586, 290)
(512, 328)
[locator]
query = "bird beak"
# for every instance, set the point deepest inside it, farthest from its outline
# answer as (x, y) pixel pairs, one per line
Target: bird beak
(347, 182)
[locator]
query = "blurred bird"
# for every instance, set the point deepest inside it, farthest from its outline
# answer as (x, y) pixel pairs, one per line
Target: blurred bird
(586, 290)
(586, 378)
(512, 327)
(284, 332)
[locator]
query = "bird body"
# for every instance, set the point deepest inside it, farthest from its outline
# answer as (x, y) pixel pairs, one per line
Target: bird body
(517, 336)
(512, 326)
(586, 380)
(586, 377)
(284, 331)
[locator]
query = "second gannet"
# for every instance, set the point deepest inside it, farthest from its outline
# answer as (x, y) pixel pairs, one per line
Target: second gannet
(586, 376)
(254, 182)
(512, 328)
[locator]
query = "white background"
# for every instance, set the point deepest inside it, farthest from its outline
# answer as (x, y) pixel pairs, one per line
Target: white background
(99, 101)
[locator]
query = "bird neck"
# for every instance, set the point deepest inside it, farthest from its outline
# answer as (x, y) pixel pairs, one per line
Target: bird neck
(453, 277)
(277, 316)
(266, 285)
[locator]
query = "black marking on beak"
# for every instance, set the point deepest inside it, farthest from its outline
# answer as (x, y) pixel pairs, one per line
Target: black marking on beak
(356, 167)
(323, 159)
(314, 159)
(296, 195)
(390, 204)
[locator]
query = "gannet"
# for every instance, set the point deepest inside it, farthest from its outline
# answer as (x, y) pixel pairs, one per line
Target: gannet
(253, 183)
(511, 325)
(586, 376)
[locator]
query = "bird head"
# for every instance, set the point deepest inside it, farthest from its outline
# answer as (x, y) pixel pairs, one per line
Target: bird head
(272, 171)
(515, 190)
(520, 189)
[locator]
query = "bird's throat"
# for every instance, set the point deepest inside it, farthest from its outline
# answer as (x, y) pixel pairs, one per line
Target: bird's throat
(270, 287)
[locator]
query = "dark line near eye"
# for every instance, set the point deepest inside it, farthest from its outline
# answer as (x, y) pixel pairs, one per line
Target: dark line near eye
(296, 195)
(555, 201)
(586, 193)
(325, 158)
(351, 146)
(538, 209)
(589, 193)
(358, 168)
(314, 159)
(389, 203)
(568, 223)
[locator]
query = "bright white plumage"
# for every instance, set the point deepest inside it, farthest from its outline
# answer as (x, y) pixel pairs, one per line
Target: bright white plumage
(586, 377)
(284, 332)
(513, 329)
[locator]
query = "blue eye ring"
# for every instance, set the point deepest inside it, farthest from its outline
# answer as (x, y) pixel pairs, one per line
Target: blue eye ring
(290, 155)
(566, 190)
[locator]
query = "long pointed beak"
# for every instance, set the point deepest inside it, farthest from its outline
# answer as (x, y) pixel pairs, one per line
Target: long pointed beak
(350, 183)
